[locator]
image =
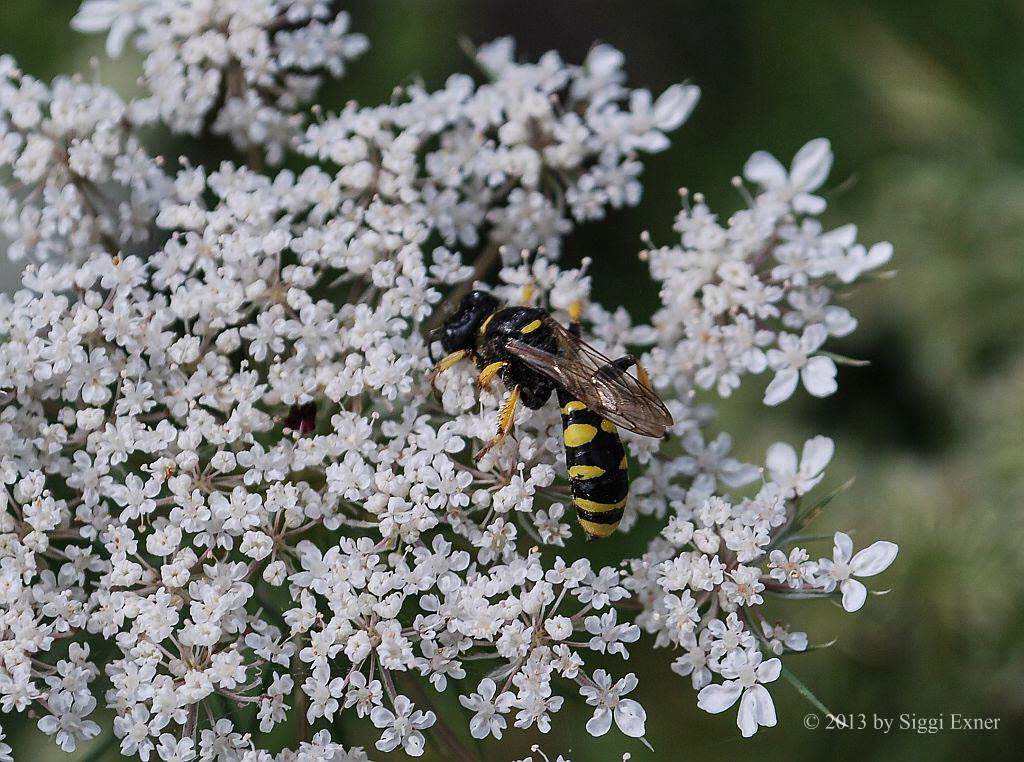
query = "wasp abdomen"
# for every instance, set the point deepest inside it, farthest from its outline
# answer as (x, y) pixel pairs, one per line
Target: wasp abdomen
(597, 467)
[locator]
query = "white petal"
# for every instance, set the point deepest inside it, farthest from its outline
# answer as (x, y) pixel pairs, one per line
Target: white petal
(746, 719)
(765, 706)
(854, 594)
(816, 455)
(839, 321)
(764, 169)
(874, 559)
(844, 546)
(598, 724)
(651, 141)
(782, 387)
(604, 60)
(819, 375)
(797, 641)
(719, 697)
(630, 717)
(843, 236)
(781, 461)
(740, 474)
(769, 671)
(119, 32)
(813, 337)
(95, 16)
(674, 106)
(878, 255)
(381, 716)
(413, 745)
(808, 203)
(478, 727)
(811, 165)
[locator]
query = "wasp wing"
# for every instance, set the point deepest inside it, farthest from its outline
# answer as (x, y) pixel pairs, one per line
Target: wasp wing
(597, 382)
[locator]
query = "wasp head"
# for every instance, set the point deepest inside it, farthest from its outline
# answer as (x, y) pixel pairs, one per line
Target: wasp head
(460, 330)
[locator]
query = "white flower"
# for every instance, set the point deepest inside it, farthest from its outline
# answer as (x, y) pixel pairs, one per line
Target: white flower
(558, 627)
(487, 719)
(845, 565)
(792, 362)
(171, 749)
(859, 260)
(629, 716)
(119, 16)
(5, 749)
(745, 675)
(794, 479)
(402, 727)
(217, 379)
(808, 171)
(609, 635)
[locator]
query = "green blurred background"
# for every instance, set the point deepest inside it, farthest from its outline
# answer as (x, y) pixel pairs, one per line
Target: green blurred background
(924, 104)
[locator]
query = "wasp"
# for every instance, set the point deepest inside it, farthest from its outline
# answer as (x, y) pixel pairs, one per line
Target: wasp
(535, 356)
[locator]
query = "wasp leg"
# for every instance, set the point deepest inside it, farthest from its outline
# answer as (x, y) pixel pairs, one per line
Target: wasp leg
(643, 377)
(506, 419)
(447, 362)
(487, 374)
(575, 310)
(529, 289)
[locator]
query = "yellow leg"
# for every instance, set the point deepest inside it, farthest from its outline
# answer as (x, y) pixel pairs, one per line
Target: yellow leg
(575, 311)
(447, 362)
(643, 377)
(487, 374)
(528, 291)
(506, 419)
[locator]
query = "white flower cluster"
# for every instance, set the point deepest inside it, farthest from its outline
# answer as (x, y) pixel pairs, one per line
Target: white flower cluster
(522, 156)
(239, 67)
(772, 263)
(82, 182)
(231, 501)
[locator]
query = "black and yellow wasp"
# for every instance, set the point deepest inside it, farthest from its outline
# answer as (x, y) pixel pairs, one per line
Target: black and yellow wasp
(534, 355)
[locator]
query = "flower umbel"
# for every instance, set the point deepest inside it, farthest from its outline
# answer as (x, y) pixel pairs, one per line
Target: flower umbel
(224, 462)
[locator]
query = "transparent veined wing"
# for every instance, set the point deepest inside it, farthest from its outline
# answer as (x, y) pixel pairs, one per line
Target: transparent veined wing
(597, 382)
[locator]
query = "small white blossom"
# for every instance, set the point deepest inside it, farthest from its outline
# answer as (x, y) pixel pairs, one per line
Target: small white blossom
(845, 565)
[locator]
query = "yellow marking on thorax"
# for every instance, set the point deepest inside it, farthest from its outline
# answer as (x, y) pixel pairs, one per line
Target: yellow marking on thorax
(531, 327)
(598, 530)
(579, 434)
(608, 426)
(623, 465)
(595, 507)
(585, 472)
(571, 406)
(487, 322)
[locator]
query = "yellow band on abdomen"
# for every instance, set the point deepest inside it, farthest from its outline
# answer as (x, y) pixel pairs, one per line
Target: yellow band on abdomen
(585, 472)
(598, 530)
(579, 434)
(594, 507)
